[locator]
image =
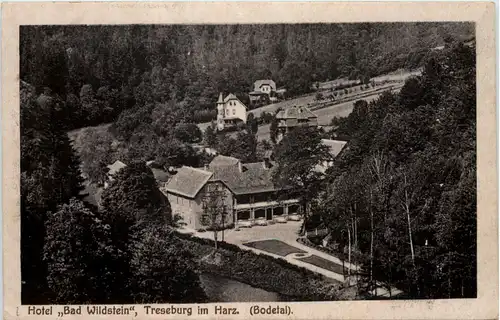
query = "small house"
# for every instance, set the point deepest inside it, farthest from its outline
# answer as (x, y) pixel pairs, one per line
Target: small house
(230, 111)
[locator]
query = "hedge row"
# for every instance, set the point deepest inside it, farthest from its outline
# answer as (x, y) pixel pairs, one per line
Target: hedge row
(218, 227)
(266, 272)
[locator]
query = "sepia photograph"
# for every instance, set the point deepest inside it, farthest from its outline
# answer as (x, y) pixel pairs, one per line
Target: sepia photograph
(216, 163)
(175, 164)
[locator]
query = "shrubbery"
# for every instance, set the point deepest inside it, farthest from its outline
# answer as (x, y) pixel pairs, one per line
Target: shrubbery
(266, 272)
(206, 115)
(399, 147)
(218, 228)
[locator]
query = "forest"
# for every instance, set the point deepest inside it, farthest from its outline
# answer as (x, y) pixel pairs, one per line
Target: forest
(153, 83)
(99, 71)
(73, 252)
(402, 196)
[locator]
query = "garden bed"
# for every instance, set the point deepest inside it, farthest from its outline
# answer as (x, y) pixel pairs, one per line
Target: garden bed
(274, 246)
(355, 256)
(323, 263)
(265, 272)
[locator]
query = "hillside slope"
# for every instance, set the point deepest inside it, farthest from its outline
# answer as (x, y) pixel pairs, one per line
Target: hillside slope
(404, 189)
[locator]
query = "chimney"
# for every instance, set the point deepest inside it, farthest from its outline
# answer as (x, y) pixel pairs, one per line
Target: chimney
(240, 167)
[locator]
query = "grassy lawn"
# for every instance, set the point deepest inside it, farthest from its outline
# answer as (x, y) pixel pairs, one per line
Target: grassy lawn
(323, 263)
(274, 246)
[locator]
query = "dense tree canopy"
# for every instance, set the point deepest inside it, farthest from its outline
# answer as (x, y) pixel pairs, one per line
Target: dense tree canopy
(78, 254)
(50, 176)
(134, 197)
(242, 146)
(163, 269)
(403, 192)
(297, 156)
(101, 71)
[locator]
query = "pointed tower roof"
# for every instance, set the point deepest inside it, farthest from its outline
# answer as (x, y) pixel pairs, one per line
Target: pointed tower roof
(221, 100)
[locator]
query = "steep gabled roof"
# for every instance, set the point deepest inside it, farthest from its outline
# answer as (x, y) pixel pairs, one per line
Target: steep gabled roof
(335, 146)
(255, 177)
(188, 181)
(230, 97)
(220, 100)
(233, 97)
(259, 83)
(160, 175)
(115, 167)
(243, 178)
(296, 112)
(221, 160)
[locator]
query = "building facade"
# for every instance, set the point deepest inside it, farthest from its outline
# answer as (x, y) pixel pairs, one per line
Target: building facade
(230, 111)
(187, 192)
(249, 193)
(264, 91)
(113, 170)
(254, 194)
(335, 147)
(293, 117)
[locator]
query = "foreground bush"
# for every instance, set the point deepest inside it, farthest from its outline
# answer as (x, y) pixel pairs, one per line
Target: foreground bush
(163, 270)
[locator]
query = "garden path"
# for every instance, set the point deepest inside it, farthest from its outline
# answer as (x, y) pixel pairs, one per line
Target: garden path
(286, 247)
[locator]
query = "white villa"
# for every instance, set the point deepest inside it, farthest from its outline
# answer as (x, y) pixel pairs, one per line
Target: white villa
(230, 111)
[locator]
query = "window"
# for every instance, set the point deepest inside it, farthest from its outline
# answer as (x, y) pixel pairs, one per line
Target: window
(177, 199)
(227, 112)
(234, 112)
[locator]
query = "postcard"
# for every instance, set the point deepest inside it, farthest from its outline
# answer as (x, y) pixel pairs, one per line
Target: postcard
(256, 160)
